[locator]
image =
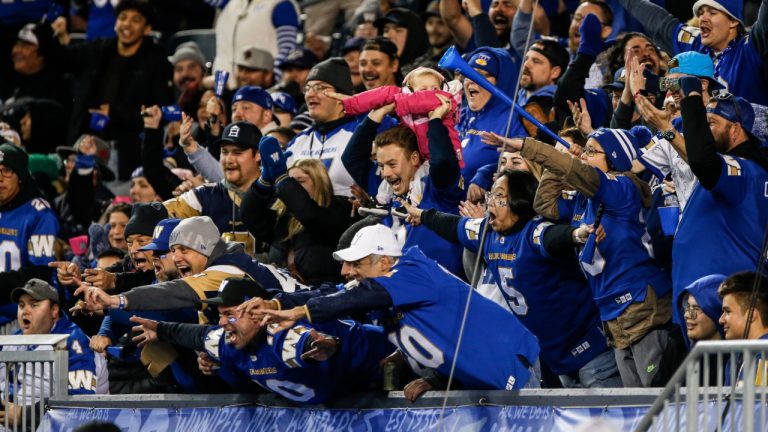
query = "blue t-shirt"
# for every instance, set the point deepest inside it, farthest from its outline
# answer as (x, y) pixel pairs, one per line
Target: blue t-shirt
(721, 230)
(541, 291)
(276, 363)
(496, 349)
(622, 267)
(739, 66)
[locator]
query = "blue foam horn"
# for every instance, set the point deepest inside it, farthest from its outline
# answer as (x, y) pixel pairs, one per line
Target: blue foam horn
(452, 60)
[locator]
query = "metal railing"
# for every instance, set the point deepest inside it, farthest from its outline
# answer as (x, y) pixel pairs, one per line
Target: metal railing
(719, 386)
(33, 368)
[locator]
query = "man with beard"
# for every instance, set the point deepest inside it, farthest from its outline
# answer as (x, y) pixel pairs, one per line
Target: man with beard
(378, 63)
(239, 162)
(305, 363)
(729, 203)
(188, 71)
(438, 34)
(666, 155)
(129, 375)
(480, 28)
(739, 56)
(254, 67)
(405, 29)
(203, 260)
(117, 77)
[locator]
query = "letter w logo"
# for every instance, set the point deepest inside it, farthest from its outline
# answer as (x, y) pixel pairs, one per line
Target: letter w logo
(81, 379)
(41, 245)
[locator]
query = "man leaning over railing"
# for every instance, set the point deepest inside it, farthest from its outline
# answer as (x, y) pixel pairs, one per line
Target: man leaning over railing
(39, 312)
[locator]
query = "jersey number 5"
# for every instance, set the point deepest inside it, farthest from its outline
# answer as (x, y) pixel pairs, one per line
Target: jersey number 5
(514, 297)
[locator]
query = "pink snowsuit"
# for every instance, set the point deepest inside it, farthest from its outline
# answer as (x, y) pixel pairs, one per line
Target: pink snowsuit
(413, 110)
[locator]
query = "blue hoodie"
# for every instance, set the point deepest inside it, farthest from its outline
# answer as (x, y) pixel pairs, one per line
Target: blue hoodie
(492, 117)
(704, 290)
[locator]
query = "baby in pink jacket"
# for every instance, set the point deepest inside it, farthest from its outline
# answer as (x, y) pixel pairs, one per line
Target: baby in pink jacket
(413, 102)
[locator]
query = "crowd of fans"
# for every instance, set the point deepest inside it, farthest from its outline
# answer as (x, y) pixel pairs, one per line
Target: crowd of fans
(309, 210)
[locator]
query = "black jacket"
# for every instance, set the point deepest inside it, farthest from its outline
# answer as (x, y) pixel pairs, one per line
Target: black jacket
(311, 250)
(147, 81)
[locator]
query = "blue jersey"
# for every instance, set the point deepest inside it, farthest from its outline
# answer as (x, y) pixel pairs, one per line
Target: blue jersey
(622, 267)
(27, 235)
(86, 369)
(539, 288)
(276, 363)
(722, 229)
(496, 349)
(444, 252)
(101, 19)
(740, 66)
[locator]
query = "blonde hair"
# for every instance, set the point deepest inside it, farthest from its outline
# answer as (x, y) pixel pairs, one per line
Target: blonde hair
(323, 192)
(420, 72)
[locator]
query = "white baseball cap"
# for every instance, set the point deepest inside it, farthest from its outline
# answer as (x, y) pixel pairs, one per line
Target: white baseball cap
(371, 240)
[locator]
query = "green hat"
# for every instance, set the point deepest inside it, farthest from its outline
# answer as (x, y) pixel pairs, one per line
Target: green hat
(16, 159)
(40, 163)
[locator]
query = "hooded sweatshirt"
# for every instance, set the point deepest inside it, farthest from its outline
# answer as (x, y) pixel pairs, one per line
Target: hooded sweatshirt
(491, 118)
(704, 290)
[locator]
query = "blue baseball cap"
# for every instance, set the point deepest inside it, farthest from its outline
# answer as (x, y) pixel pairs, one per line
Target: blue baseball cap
(696, 64)
(254, 94)
(485, 61)
(285, 102)
(301, 58)
(161, 235)
(618, 80)
(733, 108)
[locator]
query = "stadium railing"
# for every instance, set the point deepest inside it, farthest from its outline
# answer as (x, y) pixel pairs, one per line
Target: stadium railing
(46, 368)
(692, 402)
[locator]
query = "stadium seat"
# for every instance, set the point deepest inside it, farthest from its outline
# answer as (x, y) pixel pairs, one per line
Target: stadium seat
(205, 39)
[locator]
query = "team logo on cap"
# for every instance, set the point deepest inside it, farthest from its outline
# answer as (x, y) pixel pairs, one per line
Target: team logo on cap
(482, 60)
(234, 132)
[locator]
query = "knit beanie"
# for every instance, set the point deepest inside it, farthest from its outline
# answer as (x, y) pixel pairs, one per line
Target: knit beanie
(620, 147)
(335, 72)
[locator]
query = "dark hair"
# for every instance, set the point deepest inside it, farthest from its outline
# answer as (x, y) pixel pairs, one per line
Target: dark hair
(98, 426)
(111, 252)
(615, 54)
(400, 136)
(575, 134)
(740, 286)
(125, 208)
(604, 9)
(521, 189)
(144, 7)
(284, 131)
(554, 52)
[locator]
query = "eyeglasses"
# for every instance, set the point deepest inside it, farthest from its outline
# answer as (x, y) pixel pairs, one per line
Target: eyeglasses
(6, 172)
(591, 151)
(317, 88)
(722, 95)
(497, 199)
(691, 310)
